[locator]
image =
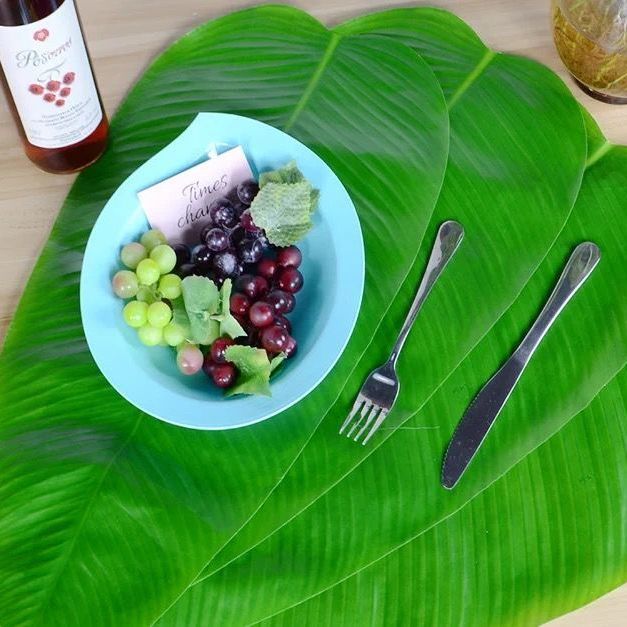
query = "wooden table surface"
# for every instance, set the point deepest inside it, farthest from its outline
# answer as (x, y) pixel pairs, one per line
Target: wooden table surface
(123, 36)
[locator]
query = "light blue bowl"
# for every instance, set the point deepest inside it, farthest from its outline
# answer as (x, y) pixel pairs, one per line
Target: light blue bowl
(327, 306)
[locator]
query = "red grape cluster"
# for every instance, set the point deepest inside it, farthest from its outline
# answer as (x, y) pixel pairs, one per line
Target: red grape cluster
(266, 279)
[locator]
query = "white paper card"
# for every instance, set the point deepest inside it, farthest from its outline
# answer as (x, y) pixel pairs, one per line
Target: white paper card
(179, 206)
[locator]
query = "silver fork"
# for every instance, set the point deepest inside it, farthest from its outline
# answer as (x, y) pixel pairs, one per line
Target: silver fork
(380, 390)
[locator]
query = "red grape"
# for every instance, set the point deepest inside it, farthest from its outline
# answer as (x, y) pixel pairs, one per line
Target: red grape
(261, 314)
(267, 268)
(218, 349)
(224, 375)
(283, 322)
(290, 280)
(290, 347)
(290, 256)
(282, 302)
(274, 339)
(239, 304)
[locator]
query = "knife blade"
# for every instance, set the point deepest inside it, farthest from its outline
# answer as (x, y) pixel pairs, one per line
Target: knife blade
(485, 408)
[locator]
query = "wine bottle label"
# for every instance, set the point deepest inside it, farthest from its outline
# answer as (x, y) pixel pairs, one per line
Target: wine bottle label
(50, 78)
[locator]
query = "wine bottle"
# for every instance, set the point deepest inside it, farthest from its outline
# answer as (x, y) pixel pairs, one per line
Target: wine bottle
(49, 84)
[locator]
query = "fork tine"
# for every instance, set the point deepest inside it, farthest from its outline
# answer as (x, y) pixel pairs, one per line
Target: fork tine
(377, 424)
(364, 411)
(356, 405)
(373, 413)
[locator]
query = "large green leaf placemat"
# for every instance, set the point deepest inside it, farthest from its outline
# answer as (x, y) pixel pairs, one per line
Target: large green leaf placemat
(112, 517)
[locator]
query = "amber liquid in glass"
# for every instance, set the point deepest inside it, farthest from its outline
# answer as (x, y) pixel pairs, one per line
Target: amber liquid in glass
(66, 159)
(591, 38)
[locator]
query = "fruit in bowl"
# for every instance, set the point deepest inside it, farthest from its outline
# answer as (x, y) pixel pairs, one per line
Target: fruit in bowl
(223, 304)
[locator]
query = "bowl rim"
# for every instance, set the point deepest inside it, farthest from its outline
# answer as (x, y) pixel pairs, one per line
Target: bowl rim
(201, 127)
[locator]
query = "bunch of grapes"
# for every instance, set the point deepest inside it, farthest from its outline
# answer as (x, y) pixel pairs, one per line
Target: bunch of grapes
(266, 279)
(149, 285)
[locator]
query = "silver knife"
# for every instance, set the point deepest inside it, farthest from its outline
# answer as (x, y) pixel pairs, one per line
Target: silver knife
(484, 409)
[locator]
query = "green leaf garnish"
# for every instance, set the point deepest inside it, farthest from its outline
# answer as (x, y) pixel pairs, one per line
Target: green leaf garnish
(284, 205)
(202, 300)
(287, 174)
(180, 317)
(254, 370)
(277, 361)
(228, 324)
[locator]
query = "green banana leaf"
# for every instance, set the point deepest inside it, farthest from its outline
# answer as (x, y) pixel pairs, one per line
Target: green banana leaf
(89, 484)
(110, 516)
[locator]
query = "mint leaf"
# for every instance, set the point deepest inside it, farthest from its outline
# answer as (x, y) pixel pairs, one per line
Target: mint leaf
(287, 174)
(283, 210)
(201, 298)
(180, 317)
(277, 361)
(284, 205)
(228, 324)
(254, 370)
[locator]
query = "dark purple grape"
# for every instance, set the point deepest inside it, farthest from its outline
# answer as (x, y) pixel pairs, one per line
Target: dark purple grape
(263, 240)
(290, 256)
(261, 314)
(283, 322)
(250, 250)
(274, 339)
(247, 190)
(237, 204)
(216, 239)
(224, 375)
(239, 304)
(218, 349)
(291, 347)
(267, 268)
(201, 255)
(237, 235)
(290, 280)
(282, 302)
(205, 230)
(226, 265)
(186, 269)
(182, 253)
(223, 214)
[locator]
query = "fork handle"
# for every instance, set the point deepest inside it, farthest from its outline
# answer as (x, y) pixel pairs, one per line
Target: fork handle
(450, 235)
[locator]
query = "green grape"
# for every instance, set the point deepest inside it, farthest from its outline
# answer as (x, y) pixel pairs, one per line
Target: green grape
(170, 286)
(148, 272)
(149, 335)
(159, 314)
(135, 314)
(174, 334)
(153, 238)
(147, 294)
(125, 284)
(165, 258)
(132, 254)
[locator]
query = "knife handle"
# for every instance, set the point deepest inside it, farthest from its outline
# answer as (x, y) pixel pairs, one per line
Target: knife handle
(578, 268)
(448, 239)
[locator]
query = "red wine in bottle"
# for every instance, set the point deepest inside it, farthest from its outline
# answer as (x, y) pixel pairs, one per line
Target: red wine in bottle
(49, 84)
